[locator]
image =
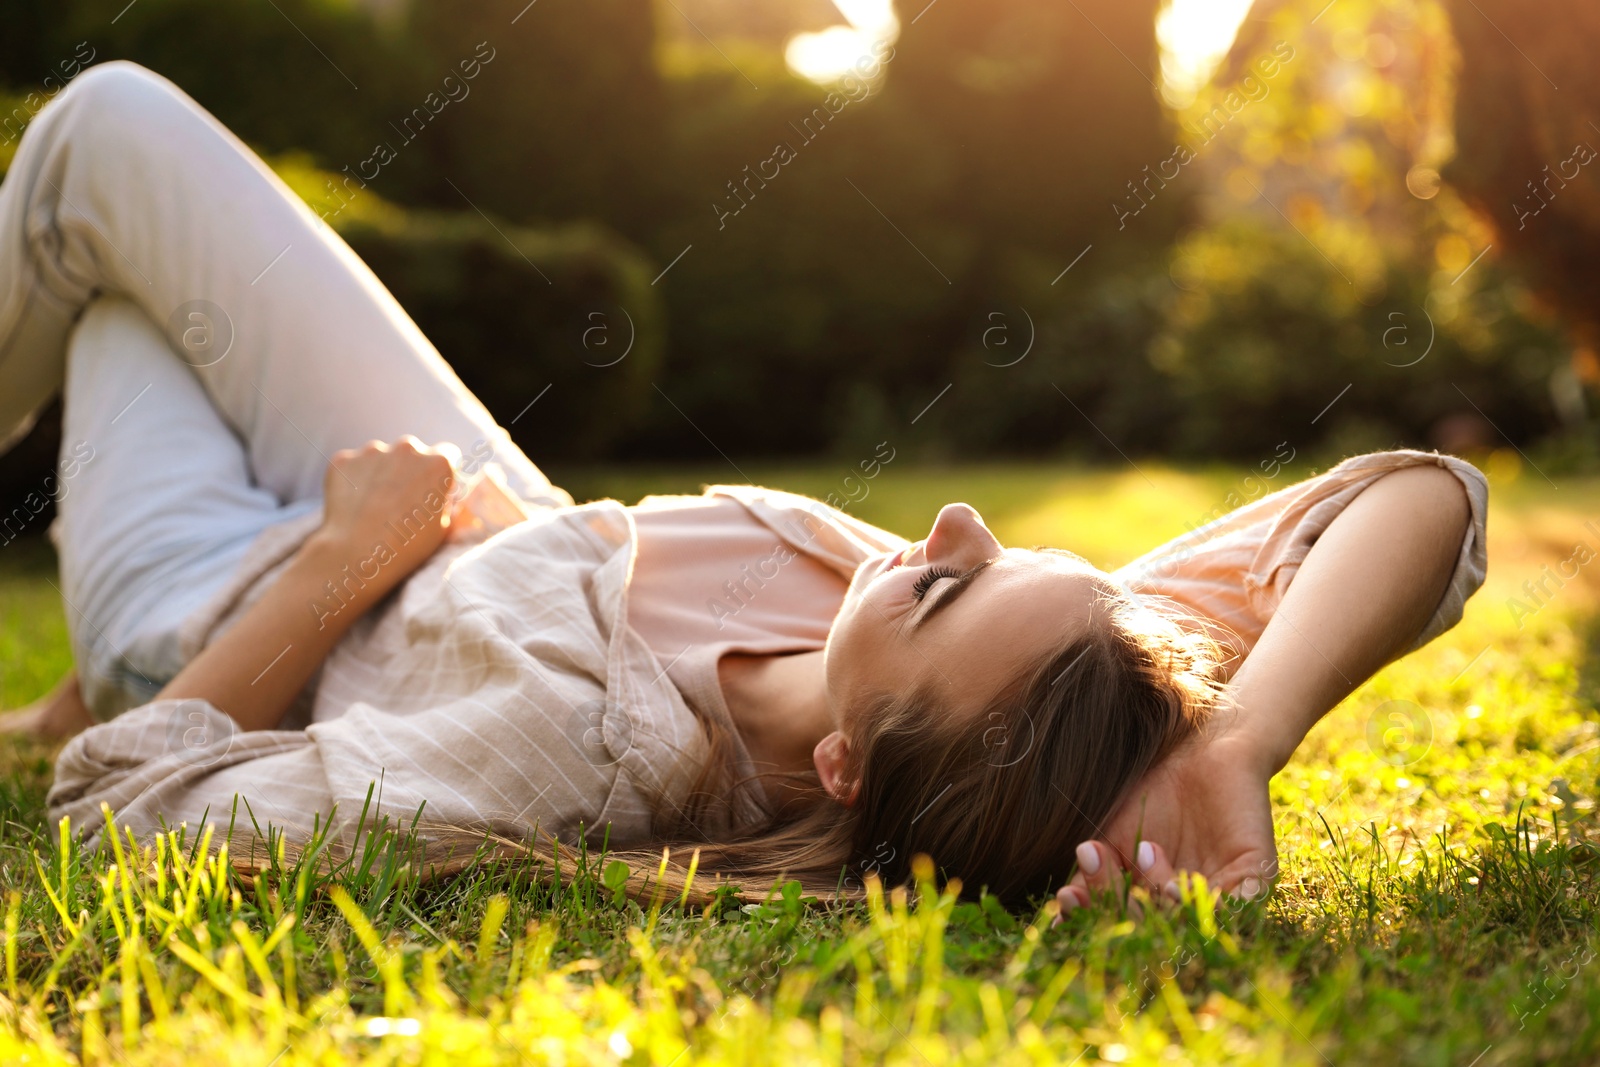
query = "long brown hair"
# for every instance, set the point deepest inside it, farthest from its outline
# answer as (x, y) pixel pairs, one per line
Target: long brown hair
(999, 800)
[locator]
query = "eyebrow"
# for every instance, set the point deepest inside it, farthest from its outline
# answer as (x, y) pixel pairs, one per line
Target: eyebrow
(957, 587)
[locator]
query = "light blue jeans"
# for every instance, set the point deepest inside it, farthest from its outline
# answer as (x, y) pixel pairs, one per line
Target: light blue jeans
(216, 342)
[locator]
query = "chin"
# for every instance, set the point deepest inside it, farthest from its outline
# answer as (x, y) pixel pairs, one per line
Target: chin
(837, 658)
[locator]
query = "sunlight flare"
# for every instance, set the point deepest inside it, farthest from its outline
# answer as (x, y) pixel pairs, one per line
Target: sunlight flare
(1194, 36)
(829, 55)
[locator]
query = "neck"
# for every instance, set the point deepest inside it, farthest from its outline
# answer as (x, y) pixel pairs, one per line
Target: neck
(780, 706)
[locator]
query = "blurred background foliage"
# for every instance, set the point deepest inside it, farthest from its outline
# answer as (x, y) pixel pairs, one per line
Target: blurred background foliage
(1103, 240)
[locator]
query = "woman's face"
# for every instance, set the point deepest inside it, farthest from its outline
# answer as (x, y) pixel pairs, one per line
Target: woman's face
(955, 614)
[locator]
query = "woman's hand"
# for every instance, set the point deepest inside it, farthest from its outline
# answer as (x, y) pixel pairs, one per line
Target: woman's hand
(388, 508)
(1365, 590)
(1205, 809)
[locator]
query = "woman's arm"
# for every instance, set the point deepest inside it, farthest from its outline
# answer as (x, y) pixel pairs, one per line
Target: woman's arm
(1362, 594)
(387, 509)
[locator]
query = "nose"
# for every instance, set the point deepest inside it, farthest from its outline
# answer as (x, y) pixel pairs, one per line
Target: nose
(959, 538)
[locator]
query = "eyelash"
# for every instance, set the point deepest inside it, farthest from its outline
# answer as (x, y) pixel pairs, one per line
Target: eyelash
(931, 575)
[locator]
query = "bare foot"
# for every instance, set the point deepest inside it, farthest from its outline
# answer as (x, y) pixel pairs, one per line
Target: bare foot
(59, 715)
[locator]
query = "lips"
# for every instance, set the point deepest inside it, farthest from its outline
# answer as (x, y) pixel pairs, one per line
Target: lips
(887, 564)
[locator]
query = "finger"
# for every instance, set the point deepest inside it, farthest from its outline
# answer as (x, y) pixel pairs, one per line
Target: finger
(1248, 889)
(1100, 876)
(460, 514)
(1100, 868)
(1073, 895)
(444, 469)
(1188, 883)
(1234, 895)
(1108, 881)
(449, 451)
(1152, 868)
(1069, 898)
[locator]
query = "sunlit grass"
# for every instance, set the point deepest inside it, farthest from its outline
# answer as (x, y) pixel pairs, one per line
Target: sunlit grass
(1438, 902)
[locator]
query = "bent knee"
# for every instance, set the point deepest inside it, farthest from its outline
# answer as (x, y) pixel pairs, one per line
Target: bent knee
(123, 92)
(114, 79)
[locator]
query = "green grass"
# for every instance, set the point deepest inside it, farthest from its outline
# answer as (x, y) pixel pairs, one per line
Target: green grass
(1438, 902)
(33, 631)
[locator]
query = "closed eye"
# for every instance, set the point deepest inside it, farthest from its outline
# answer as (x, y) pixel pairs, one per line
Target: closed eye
(931, 575)
(950, 593)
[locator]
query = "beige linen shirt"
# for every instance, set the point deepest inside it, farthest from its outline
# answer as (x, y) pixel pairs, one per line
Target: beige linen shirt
(504, 686)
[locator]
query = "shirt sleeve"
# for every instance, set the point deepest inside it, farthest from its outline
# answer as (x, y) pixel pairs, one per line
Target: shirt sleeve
(176, 761)
(1233, 572)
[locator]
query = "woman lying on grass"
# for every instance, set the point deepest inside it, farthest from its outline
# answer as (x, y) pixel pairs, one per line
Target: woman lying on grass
(271, 611)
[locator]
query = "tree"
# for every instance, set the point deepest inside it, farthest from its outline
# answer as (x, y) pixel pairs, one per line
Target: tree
(1526, 115)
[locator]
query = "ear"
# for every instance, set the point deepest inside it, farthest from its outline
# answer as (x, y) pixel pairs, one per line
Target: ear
(832, 757)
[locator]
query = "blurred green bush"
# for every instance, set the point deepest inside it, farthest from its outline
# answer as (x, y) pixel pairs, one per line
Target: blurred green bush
(917, 201)
(565, 317)
(515, 310)
(1261, 342)
(917, 239)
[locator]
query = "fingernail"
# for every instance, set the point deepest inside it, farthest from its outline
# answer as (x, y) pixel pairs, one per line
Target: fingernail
(1172, 890)
(1068, 901)
(1250, 888)
(1146, 856)
(1089, 858)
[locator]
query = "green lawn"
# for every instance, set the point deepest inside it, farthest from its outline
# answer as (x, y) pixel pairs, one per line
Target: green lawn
(1438, 902)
